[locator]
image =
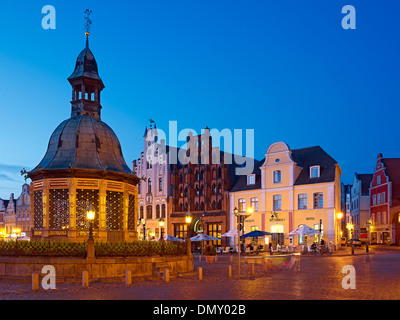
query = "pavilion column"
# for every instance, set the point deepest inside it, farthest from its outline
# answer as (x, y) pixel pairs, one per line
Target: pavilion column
(125, 213)
(102, 209)
(72, 209)
(45, 208)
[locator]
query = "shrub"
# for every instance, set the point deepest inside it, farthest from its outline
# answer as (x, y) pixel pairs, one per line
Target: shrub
(210, 250)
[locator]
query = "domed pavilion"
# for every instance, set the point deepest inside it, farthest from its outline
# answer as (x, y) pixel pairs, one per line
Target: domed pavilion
(84, 167)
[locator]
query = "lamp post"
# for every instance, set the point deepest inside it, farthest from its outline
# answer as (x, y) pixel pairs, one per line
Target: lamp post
(161, 224)
(241, 217)
(339, 227)
(90, 214)
(188, 220)
(144, 228)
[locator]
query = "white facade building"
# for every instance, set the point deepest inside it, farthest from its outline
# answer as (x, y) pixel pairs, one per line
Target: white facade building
(154, 189)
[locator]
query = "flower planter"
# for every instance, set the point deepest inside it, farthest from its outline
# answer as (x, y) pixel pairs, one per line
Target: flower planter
(209, 259)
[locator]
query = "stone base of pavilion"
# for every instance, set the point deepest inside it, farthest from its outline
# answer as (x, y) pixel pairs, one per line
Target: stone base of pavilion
(71, 269)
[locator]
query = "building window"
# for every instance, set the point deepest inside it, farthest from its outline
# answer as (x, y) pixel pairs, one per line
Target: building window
(314, 172)
(180, 230)
(163, 211)
(254, 203)
(141, 212)
(374, 199)
(318, 200)
(383, 197)
(160, 186)
(277, 176)
(149, 212)
(251, 179)
(302, 201)
(158, 211)
(378, 180)
(242, 205)
(214, 230)
(379, 199)
(149, 185)
(277, 202)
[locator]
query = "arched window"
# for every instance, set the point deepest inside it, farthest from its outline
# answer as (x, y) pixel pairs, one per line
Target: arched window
(141, 215)
(149, 212)
(149, 185)
(163, 211)
(158, 211)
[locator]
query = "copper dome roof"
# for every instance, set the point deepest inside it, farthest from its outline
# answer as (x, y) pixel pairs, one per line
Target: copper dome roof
(84, 142)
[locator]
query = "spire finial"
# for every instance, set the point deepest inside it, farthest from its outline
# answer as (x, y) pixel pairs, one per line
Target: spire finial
(88, 24)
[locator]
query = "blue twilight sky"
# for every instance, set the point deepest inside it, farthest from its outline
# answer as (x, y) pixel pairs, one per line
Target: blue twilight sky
(286, 69)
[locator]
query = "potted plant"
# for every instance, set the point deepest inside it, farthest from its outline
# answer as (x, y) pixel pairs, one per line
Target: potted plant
(210, 252)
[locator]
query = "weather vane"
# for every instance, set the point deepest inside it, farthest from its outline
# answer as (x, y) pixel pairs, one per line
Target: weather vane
(88, 22)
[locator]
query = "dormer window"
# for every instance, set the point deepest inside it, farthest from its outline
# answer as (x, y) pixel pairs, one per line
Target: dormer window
(314, 172)
(251, 179)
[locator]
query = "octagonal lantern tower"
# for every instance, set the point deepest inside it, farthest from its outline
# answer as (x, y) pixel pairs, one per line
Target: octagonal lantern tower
(84, 166)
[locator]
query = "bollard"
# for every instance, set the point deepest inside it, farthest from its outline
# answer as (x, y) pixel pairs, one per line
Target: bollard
(200, 273)
(230, 271)
(128, 277)
(216, 258)
(265, 266)
(35, 281)
(166, 275)
(252, 269)
(200, 257)
(366, 248)
(85, 279)
(352, 249)
(231, 259)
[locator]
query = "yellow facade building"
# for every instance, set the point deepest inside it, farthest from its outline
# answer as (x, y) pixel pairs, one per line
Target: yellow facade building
(288, 189)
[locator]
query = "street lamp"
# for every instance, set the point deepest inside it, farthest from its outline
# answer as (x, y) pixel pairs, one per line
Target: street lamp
(90, 214)
(161, 224)
(144, 228)
(241, 217)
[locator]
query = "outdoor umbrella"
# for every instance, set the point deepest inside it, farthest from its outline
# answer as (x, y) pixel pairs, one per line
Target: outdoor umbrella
(256, 233)
(231, 233)
(203, 237)
(169, 238)
(304, 230)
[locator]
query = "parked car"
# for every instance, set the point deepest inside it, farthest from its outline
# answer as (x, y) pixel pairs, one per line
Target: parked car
(355, 242)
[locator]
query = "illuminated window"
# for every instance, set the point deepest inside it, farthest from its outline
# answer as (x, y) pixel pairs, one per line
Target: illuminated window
(242, 205)
(254, 203)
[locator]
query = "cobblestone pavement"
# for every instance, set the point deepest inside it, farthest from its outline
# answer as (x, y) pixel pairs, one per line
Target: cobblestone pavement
(377, 277)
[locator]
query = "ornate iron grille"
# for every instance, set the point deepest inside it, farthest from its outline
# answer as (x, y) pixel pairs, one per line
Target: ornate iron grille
(58, 209)
(85, 197)
(114, 210)
(38, 209)
(131, 213)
